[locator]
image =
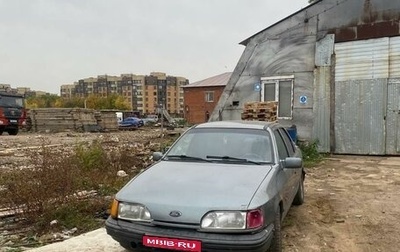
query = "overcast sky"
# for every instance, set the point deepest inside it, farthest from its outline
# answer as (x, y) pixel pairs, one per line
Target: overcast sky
(47, 43)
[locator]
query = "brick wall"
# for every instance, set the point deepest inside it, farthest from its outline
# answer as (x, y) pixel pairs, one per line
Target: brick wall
(196, 106)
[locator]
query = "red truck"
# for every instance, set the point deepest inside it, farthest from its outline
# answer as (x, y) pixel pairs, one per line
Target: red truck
(12, 113)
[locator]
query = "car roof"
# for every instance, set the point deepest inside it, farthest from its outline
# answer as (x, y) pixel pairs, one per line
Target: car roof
(238, 124)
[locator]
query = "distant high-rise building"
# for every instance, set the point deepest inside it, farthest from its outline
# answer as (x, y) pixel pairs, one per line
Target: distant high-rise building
(144, 93)
(5, 87)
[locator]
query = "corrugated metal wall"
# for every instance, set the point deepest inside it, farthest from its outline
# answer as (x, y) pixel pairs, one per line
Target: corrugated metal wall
(394, 52)
(393, 100)
(367, 101)
(359, 116)
(362, 60)
(392, 118)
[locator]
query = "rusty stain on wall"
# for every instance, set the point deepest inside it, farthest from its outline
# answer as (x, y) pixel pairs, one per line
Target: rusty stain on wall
(367, 31)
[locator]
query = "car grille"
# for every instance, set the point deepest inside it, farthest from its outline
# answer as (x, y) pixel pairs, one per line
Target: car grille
(176, 225)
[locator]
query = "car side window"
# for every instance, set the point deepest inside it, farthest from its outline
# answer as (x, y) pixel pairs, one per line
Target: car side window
(282, 151)
(288, 141)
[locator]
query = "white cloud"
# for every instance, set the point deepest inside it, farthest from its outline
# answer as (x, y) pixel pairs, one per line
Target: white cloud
(47, 43)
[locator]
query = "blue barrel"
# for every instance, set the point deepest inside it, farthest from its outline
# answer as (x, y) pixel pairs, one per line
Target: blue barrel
(292, 130)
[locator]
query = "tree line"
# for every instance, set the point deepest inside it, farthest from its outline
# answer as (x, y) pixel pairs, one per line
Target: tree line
(113, 101)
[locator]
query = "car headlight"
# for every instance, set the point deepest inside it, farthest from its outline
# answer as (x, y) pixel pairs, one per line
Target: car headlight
(232, 220)
(224, 220)
(133, 212)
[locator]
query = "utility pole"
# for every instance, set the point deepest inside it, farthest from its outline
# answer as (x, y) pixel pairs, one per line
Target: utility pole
(162, 121)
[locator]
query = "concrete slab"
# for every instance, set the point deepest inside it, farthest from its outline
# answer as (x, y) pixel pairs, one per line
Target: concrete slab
(94, 241)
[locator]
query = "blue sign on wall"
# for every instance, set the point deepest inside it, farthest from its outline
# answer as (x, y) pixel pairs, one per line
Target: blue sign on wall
(303, 99)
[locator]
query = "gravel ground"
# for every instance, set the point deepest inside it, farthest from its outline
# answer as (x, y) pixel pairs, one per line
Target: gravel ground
(352, 202)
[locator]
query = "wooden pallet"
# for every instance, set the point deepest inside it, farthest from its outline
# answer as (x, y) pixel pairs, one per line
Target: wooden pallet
(261, 111)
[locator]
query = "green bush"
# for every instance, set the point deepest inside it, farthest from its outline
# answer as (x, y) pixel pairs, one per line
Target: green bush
(311, 155)
(92, 157)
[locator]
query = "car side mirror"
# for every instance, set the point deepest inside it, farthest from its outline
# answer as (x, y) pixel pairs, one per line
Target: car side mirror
(292, 162)
(157, 156)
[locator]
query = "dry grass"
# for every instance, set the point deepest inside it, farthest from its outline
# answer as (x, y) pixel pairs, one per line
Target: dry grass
(57, 185)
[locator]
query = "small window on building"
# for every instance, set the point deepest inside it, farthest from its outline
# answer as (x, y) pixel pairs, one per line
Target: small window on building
(279, 89)
(210, 96)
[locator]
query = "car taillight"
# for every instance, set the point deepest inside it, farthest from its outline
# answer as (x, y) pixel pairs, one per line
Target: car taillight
(255, 219)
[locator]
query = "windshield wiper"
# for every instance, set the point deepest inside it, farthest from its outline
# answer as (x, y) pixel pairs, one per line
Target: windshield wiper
(187, 158)
(228, 158)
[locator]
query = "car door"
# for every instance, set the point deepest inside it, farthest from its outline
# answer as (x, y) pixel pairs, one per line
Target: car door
(286, 177)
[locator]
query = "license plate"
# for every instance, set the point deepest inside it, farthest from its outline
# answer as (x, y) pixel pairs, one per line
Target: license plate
(171, 243)
(13, 121)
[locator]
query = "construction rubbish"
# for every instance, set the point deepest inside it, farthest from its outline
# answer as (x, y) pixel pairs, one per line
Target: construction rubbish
(71, 119)
(260, 111)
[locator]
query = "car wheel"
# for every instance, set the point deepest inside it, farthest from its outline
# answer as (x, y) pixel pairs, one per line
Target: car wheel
(276, 245)
(13, 132)
(126, 246)
(299, 198)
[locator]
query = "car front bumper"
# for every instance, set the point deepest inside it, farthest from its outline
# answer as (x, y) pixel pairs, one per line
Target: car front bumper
(130, 235)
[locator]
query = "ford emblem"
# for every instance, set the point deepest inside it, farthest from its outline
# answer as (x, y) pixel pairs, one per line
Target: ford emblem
(175, 214)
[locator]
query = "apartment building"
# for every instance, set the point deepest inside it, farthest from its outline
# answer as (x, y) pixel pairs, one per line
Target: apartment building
(5, 87)
(26, 91)
(144, 93)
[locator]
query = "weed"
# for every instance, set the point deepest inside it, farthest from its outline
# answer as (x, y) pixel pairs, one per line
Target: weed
(311, 155)
(52, 189)
(90, 158)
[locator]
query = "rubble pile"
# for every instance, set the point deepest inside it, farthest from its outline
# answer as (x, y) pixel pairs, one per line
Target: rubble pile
(71, 119)
(16, 152)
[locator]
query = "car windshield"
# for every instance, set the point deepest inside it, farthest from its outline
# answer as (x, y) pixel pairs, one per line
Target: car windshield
(224, 145)
(11, 101)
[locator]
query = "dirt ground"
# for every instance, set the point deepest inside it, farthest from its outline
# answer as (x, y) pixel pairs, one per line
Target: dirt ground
(352, 202)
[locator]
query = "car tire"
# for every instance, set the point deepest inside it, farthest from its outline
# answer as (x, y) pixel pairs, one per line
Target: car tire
(127, 246)
(299, 198)
(13, 132)
(276, 245)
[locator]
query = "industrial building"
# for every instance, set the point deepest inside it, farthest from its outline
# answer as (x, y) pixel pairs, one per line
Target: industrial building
(334, 69)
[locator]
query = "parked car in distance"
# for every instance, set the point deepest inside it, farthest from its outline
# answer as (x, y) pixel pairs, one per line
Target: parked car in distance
(131, 122)
(150, 119)
(222, 186)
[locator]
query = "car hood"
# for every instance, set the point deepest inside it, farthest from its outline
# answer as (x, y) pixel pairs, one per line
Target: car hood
(193, 188)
